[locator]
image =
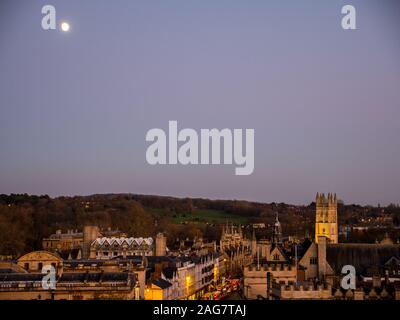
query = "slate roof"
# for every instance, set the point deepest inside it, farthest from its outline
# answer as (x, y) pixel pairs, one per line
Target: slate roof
(4, 277)
(361, 255)
(68, 277)
(94, 277)
(169, 272)
(84, 262)
(163, 284)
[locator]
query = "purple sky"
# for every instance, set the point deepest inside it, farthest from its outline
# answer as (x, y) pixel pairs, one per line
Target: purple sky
(324, 102)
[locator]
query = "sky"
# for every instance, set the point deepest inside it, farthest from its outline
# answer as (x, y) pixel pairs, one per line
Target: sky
(324, 102)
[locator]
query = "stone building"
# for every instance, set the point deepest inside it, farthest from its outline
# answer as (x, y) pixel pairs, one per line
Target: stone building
(96, 244)
(326, 224)
(70, 286)
(231, 237)
(183, 277)
(270, 263)
(237, 250)
(106, 248)
(317, 272)
(74, 240)
(159, 289)
(33, 262)
(74, 279)
(302, 291)
(257, 278)
(58, 241)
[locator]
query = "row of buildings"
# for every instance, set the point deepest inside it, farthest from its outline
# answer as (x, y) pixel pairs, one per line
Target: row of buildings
(313, 270)
(110, 265)
(95, 264)
(118, 277)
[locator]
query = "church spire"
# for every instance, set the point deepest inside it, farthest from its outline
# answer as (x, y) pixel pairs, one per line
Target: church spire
(277, 232)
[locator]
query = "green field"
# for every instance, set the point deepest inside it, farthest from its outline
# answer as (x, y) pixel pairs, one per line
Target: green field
(202, 215)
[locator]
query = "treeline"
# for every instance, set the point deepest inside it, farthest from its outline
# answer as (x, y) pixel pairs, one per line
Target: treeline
(234, 207)
(25, 220)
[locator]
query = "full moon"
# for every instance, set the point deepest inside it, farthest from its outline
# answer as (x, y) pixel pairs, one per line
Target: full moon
(65, 26)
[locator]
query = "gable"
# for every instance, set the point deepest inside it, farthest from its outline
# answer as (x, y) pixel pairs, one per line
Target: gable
(393, 261)
(312, 252)
(277, 254)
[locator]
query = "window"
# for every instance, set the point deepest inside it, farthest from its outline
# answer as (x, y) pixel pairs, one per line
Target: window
(276, 256)
(26, 266)
(40, 266)
(313, 260)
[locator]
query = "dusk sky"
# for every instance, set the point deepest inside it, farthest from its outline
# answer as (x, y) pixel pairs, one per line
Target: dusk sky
(75, 107)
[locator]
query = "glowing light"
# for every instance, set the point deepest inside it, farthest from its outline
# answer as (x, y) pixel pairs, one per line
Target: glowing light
(65, 26)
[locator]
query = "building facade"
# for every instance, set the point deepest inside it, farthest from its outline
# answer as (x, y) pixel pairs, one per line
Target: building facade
(326, 217)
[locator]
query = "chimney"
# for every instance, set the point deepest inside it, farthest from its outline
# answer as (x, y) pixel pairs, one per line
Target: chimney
(321, 257)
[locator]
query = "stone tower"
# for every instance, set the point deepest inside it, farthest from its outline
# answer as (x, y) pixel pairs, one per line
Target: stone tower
(90, 233)
(161, 245)
(326, 218)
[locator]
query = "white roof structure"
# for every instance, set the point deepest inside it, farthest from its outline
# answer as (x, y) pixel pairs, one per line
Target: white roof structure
(121, 241)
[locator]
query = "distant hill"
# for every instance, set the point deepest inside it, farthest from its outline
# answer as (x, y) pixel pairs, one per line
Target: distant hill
(26, 219)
